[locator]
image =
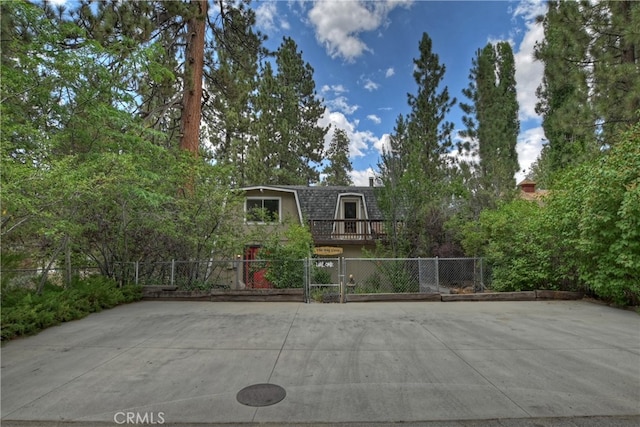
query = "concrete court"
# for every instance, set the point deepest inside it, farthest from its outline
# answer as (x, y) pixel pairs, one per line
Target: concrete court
(415, 363)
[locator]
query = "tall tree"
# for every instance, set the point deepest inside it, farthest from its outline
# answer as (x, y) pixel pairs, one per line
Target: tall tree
(591, 86)
(339, 167)
(569, 118)
(81, 174)
(616, 65)
(420, 162)
(193, 73)
(231, 88)
(290, 142)
(393, 202)
(492, 119)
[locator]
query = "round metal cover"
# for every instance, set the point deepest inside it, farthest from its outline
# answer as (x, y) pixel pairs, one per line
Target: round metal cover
(261, 395)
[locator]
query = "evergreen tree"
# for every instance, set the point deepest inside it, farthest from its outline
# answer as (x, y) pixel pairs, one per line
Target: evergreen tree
(81, 176)
(419, 167)
(591, 86)
(492, 120)
(231, 87)
(568, 115)
(339, 167)
(290, 143)
(392, 201)
(616, 65)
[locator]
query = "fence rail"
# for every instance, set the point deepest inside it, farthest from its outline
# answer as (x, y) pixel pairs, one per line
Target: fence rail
(416, 275)
(314, 275)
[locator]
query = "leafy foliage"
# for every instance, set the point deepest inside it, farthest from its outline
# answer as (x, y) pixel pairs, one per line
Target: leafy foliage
(418, 175)
(285, 254)
(24, 312)
(84, 176)
(585, 234)
(492, 121)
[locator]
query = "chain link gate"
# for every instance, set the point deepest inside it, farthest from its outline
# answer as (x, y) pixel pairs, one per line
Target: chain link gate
(324, 278)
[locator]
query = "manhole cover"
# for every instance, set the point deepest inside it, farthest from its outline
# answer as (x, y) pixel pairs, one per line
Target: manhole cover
(261, 395)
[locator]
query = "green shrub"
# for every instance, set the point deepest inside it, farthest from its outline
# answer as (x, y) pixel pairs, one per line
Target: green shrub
(24, 312)
(586, 234)
(285, 266)
(321, 276)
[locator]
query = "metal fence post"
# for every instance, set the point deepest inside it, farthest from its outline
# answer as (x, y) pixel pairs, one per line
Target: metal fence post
(307, 279)
(437, 275)
(481, 276)
(137, 270)
(173, 269)
(343, 296)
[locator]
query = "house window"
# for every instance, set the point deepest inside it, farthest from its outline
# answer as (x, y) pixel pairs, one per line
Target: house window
(262, 210)
(350, 214)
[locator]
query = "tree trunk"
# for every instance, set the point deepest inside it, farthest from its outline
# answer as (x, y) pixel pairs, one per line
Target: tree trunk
(194, 65)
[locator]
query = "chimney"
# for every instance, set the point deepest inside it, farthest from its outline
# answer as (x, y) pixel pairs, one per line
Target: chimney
(527, 186)
(370, 181)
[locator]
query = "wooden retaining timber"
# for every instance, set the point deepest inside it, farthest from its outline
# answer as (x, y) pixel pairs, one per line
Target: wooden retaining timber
(561, 295)
(486, 296)
(493, 296)
(171, 293)
(393, 297)
(164, 293)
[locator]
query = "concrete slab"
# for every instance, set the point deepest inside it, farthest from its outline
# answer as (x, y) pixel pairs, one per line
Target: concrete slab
(415, 363)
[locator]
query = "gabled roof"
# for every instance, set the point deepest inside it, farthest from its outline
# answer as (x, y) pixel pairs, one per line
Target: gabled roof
(320, 202)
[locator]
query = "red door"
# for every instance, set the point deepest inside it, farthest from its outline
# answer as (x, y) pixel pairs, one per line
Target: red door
(253, 273)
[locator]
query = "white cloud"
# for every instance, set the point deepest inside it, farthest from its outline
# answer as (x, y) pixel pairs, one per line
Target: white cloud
(338, 24)
(528, 77)
(335, 89)
(528, 148)
(371, 85)
(340, 104)
(375, 119)
(383, 144)
(361, 178)
(268, 18)
(529, 71)
(359, 141)
(390, 72)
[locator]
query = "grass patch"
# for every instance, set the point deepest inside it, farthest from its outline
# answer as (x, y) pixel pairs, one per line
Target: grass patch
(26, 313)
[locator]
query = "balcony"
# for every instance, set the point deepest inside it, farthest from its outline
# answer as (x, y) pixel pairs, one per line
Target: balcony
(332, 231)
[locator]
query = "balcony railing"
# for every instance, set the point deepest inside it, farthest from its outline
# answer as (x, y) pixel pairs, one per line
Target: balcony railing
(345, 230)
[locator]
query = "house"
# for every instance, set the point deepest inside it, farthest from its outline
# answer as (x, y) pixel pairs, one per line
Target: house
(343, 221)
(529, 192)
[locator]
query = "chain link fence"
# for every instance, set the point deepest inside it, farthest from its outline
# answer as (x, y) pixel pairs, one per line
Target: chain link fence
(416, 275)
(215, 274)
(30, 278)
(318, 276)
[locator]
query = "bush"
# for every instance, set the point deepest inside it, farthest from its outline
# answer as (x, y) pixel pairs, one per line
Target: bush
(586, 235)
(24, 312)
(285, 268)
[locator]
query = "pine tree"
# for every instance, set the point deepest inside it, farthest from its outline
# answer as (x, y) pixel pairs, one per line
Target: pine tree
(419, 169)
(339, 167)
(568, 116)
(231, 87)
(492, 120)
(290, 143)
(591, 86)
(616, 65)
(193, 73)
(392, 201)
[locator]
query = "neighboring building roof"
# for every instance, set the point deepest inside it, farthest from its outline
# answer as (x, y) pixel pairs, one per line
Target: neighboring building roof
(529, 192)
(320, 202)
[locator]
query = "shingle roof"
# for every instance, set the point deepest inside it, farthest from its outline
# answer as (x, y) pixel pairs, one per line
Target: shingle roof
(320, 202)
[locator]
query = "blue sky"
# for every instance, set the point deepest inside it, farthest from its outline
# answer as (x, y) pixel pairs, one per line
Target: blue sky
(362, 53)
